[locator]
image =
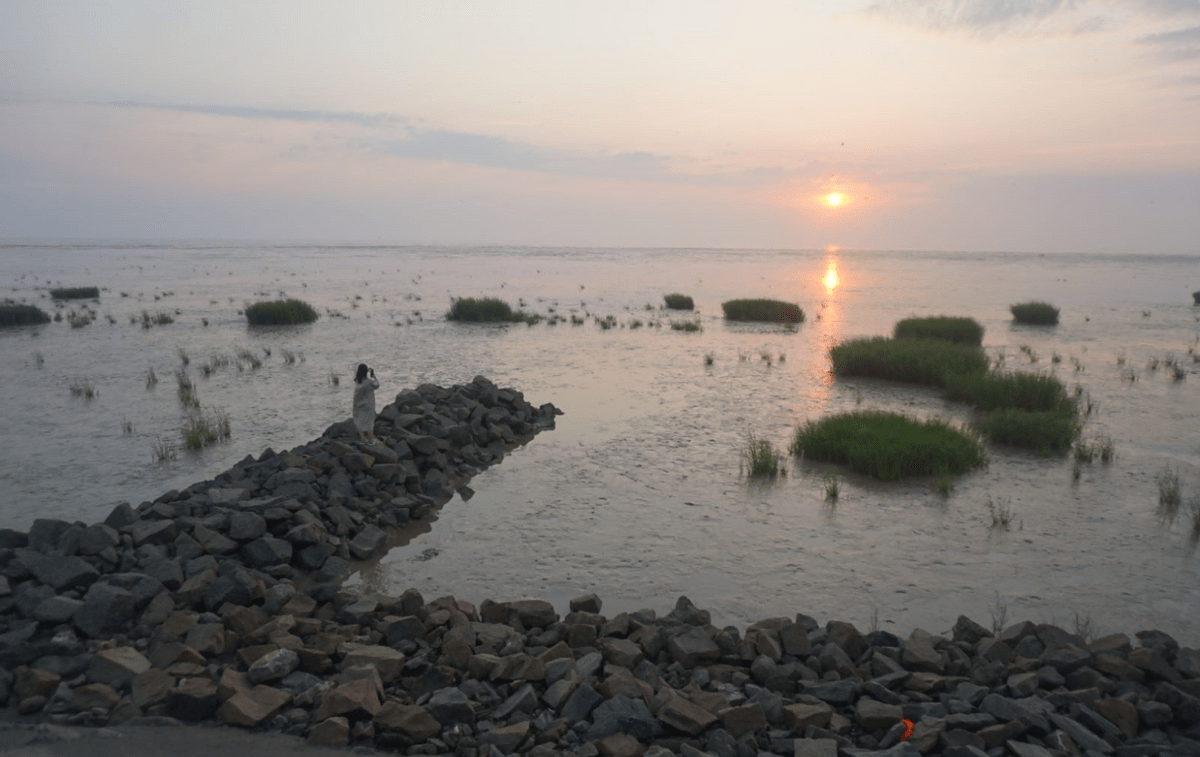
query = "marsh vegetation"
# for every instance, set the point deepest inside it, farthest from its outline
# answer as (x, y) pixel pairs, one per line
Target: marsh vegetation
(1035, 313)
(762, 310)
(280, 313)
(15, 314)
(888, 445)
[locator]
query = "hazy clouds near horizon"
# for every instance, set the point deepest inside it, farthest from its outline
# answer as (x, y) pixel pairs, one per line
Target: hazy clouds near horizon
(1040, 125)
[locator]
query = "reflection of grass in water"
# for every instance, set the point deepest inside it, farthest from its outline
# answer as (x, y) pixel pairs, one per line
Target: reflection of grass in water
(83, 389)
(1002, 517)
(186, 389)
(1170, 497)
(832, 489)
(163, 451)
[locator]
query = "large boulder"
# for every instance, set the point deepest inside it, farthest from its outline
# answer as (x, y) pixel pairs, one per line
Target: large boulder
(104, 610)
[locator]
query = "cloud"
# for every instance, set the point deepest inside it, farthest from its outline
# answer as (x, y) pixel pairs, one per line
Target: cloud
(985, 18)
(1168, 8)
(274, 114)
(402, 139)
(1178, 45)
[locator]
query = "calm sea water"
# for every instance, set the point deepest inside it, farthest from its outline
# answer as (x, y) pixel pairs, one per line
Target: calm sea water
(637, 495)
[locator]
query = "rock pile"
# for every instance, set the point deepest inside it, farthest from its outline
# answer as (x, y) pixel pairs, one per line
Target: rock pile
(223, 602)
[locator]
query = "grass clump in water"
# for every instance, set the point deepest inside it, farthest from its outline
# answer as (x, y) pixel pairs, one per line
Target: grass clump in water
(482, 310)
(280, 313)
(75, 293)
(203, 429)
(1047, 431)
(12, 314)
(993, 391)
(917, 361)
(1035, 313)
(767, 311)
(887, 445)
(688, 326)
(678, 301)
(948, 328)
(760, 458)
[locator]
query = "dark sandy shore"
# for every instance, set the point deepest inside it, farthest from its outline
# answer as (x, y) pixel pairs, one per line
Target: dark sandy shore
(39, 740)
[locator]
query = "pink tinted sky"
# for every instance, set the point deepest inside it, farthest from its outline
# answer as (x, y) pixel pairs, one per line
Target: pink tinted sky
(1044, 125)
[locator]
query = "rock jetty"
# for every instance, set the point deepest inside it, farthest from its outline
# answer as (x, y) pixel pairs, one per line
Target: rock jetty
(223, 602)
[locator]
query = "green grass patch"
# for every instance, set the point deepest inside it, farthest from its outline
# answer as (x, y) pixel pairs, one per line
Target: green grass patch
(482, 310)
(75, 293)
(949, 328)
(767, 311)
(679, 302)
(887, 445)
(916, 361)
(12, 314)
(203, 429)
(280, 313)
(760, 458)
(1023, 391)
(685, 326)
(1047, 431)
(1036, 313)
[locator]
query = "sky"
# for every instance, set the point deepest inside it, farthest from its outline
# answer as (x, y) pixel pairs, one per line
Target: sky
(960, 125)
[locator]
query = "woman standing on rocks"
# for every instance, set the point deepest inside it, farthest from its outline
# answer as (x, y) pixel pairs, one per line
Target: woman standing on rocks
(365, 385)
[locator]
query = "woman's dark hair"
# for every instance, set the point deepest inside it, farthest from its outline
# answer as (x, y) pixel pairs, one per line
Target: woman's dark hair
(362, 373)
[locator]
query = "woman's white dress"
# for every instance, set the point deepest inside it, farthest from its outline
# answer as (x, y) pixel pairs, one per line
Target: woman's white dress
(364, 404)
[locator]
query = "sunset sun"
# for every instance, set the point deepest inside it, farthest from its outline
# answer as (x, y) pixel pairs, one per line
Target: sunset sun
(833, 199)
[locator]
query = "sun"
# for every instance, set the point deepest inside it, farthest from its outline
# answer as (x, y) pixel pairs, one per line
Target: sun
(833, 199)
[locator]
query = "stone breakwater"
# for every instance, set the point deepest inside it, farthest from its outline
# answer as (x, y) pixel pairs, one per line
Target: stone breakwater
(223, 602)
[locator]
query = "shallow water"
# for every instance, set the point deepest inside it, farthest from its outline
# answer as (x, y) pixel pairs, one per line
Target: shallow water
(637, 494)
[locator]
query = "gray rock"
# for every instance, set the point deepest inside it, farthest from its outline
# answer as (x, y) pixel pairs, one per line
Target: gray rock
(297, 682)
(143, 587)
(267, 550)
(693, 647)
(1082, 737)
(104, 610)
(524, 699)
(450, 705)
(278, 596)
(56, 609)
(213, 542)
(167, 572)
(59, 572)
(836, 693)
(244, 526)
(580, 704)
(238, 587)
(97, 538)
(368, 542)
(45, 533)
(622, 713)
(121, 516)
(274, 665)
(153, 532)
